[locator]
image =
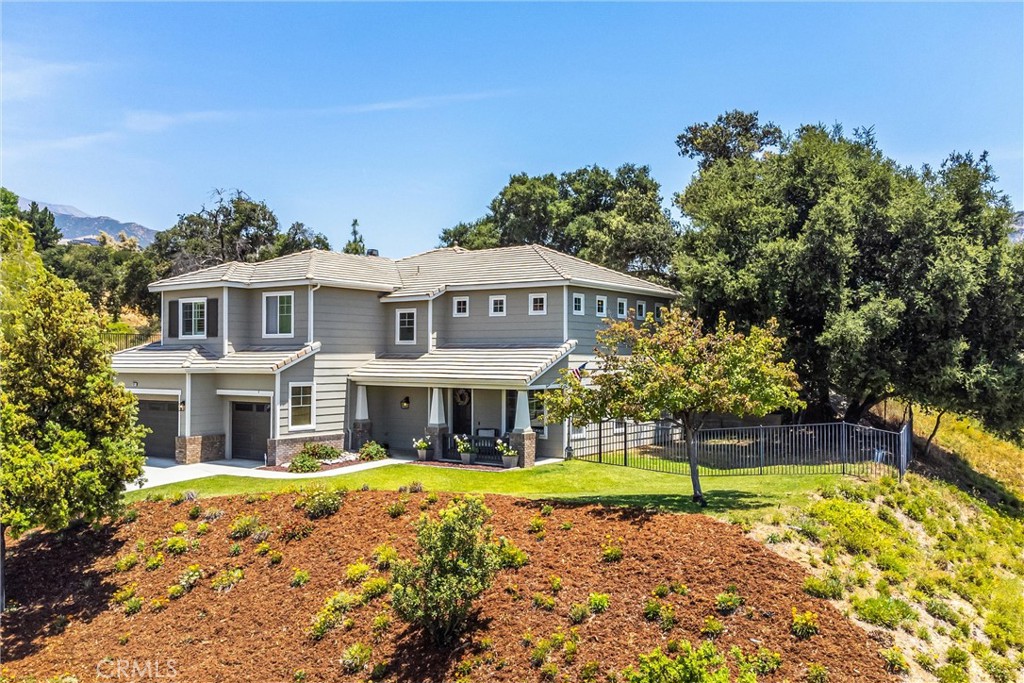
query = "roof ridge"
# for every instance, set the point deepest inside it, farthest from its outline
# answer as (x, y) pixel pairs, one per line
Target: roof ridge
(623, 273)
(309, 267)
(539, 250)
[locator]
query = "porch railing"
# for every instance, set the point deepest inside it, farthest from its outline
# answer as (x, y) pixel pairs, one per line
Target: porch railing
(119, 341)
(485, 447)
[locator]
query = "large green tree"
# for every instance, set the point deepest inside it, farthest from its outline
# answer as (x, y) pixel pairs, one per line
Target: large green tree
(114, 274)
(42, 223)
(886, 281)
(614, 219)
(675, 368)
(68, 432)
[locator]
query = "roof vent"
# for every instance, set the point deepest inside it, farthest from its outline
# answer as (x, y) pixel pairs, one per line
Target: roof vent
(372, 252)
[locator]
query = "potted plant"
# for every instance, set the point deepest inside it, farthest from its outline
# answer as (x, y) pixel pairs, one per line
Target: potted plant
(509, 456)
(421, 445)
(466, 450)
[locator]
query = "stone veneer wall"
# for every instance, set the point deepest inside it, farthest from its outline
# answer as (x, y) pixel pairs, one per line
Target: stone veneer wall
(189, 450)
(281, 451)
(526, 444)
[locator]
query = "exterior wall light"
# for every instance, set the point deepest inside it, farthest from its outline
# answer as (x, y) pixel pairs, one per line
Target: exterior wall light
(181, 407)
(404, 403)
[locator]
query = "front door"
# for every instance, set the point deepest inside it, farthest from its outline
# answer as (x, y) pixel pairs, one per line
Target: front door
(250, 429)
(462, 411)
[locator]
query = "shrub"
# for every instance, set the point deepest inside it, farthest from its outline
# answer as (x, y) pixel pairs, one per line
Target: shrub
(158, 604)
(385, 555)
(176, 591)
(546, 510)
(660, 591)
(303, 463)
(509, 556)
(957, 656)
(598, 602)
(262, 549)
(549, 671)
(296, 531)
(178, 498)
(300, 577)
(357, 571)
(941, 610)
(652, 610)
(884, 611)
(456, 562)
(703, 663)
(610, 552)
(805, 624)
(381, 624)
(830, 587)
(371, 450)
(728, 602)
(320, 501)
(544, 602)
(895, 661)
(194, 512)
(123, 594)
(227, 579)
(243, 526)
(374, 588)
(536, 525)
(235, 550)
(132, 605)
(712, 627)
(154, 561)
(176, 545)
(130, 515)
(678, 587)
(950, 673)
(817, 673)
(191, 576)
(213, 514)
(355, 657)
(766, 661)
(565, 526)
(396, 509)
(179, 528)
(667, 617)
(331, 614)
(126, 562)
(275, 557)
(555, 582)
(416, 487)
(202, 529)
(320, 451)
(578, 612)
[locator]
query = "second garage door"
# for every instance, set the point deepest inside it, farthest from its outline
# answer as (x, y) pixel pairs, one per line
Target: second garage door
(162, 418)
(250, 429)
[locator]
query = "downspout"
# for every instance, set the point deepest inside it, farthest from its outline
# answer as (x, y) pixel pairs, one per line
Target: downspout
(309, 314)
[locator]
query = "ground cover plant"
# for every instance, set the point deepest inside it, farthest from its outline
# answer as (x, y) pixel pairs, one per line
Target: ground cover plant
(595, 627)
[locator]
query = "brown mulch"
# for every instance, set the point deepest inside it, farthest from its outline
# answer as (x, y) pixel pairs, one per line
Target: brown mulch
(323, 467)
(259, 630)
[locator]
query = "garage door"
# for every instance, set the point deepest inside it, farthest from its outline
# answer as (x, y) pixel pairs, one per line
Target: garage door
(250, 429)
(162, 418)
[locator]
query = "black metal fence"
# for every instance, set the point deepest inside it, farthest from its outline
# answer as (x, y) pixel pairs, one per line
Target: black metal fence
(119, 341)
(836, 447)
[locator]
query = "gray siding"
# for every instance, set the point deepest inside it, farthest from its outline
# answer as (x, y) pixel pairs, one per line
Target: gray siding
(583, 328)
(214, 344)
(391, 424)
(350, 321)
(516, 326)
(205, 406)
(487, 408)
(332, 388)
(300, 372)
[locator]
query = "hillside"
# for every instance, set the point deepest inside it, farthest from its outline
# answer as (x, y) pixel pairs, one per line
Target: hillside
(76, 606)
(74, 222)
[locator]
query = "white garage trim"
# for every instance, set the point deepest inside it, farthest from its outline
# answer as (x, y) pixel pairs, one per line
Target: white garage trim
(140, 391)
(245, 392)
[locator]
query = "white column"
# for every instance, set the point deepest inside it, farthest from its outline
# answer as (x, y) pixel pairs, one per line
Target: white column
(362, 412)
(436, 408)
(522, 412)
(224, 323)
(188, 404)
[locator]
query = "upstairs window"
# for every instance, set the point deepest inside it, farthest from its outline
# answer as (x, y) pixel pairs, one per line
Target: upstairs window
(538, 304)
(278, 314)
(300, 406)
(601, 306)
(579, 304)
(460, 307)
(405, 326)
(497, 303)
(641, 309)
(193, 319)
(622, 308)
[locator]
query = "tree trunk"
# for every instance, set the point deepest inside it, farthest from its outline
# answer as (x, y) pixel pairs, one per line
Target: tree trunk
(928, 444)
(691, 454)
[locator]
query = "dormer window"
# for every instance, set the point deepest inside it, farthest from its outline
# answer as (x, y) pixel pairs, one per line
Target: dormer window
(601, 306)
(538, 304)
(460, 307)
(278, 314)
(193, 318)
(497, 303)
(579, 304)
(622, 308)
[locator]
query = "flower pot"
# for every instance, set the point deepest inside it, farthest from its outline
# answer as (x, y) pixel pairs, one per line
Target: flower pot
(509, 461)
(421, 453)
(468, 458)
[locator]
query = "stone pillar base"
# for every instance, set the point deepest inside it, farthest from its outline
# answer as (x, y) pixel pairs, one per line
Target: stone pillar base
(281, 451)
(526, 445)
(188, 450)
(436, 435)
(362, 431)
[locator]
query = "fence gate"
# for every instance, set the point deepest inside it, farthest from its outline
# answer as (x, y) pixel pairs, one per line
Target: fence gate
(830, 448)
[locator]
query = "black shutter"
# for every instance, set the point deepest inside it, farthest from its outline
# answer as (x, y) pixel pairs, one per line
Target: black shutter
(212, 318)
(172, 319)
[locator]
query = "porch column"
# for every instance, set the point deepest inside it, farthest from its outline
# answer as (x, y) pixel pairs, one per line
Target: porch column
(362, 427)
(437, 427)
(523, 438)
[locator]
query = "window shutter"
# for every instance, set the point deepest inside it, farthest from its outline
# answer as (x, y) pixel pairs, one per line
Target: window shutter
(212, 317)
(172, 319)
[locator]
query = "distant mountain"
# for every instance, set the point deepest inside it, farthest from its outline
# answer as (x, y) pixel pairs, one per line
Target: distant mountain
(1017, 227)
(75, 223)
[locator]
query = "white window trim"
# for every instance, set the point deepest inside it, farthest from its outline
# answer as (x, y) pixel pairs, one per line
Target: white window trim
(291, 334)
(641, 310)
(618, 426)
(181, 317)
(659, 311)
(601, 306)
(504, 305)
(312, 407)
(455, 305)
(583, 303)
(621, 308)
(543, 297)
(398, 316)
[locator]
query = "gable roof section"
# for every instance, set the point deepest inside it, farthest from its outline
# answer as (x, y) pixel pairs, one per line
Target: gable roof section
(496, 365)
(164, 359)
(313, 265)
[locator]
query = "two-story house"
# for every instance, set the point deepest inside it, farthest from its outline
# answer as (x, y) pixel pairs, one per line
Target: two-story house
(256, 359)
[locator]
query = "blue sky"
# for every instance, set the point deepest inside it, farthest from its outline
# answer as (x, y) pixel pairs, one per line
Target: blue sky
(410, 117)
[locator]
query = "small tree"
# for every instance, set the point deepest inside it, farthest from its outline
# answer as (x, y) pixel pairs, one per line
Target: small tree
(355, 244)
(456, 562)
(673, 369)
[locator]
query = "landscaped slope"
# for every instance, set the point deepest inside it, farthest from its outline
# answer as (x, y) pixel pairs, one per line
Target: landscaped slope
(75, 593)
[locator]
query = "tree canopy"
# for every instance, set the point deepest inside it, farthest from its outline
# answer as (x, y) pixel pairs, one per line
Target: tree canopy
(886, 281)
(614, 219)
(355, 244)
(675, 368)
(41, 221)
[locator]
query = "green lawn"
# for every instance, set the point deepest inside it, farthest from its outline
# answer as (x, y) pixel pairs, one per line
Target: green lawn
(574, 480)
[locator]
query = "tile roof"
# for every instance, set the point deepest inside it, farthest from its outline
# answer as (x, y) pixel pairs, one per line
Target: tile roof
(157, 358)
(496, 365)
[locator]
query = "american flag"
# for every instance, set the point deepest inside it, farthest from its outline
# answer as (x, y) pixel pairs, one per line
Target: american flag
(578, 372)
